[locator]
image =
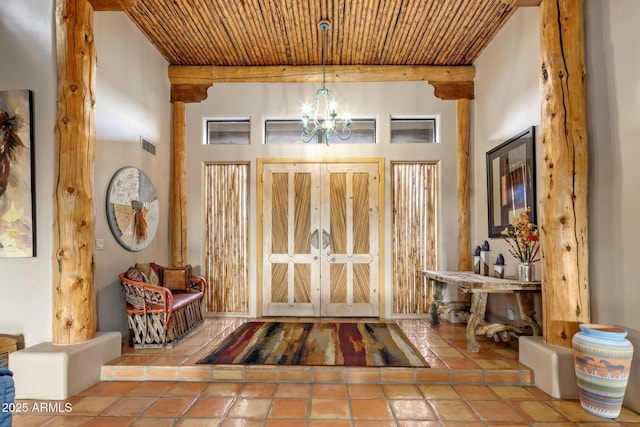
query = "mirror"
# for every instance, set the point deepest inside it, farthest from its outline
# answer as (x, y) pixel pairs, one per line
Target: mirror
(511, 181)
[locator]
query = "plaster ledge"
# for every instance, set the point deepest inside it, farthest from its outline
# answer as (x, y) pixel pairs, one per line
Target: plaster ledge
(552, 365)
(57, 372)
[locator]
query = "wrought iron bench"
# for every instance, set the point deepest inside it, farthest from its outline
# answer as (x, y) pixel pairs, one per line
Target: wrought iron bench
(159, 316)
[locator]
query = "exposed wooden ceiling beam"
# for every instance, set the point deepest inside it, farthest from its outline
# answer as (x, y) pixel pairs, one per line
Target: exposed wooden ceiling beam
(112, 5)
(199, 75)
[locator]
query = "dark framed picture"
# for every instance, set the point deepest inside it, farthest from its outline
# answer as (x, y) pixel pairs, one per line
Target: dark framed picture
(511, 181)
(17, 194)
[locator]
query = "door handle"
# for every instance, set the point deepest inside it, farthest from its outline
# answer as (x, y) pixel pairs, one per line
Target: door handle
(314, 239)
(325, 238)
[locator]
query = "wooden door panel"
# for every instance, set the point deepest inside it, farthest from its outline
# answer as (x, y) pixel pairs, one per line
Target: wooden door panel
(349, 282)
(290, 265)
(320, 231)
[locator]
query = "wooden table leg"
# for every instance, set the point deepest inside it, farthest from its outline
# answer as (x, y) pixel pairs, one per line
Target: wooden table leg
(527, 311)
(478, 308)
(437, 295)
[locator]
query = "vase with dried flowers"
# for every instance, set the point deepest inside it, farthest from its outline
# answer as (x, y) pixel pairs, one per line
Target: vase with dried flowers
(524, 245)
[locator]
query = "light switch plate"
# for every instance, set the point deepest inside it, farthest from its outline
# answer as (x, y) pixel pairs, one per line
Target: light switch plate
(99, 244)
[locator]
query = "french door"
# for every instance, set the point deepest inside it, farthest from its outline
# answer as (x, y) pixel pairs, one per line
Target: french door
(320, 239)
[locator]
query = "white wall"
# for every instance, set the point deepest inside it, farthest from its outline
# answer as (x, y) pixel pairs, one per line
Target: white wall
(29, 62)
(508, 100)
(284, 100)
(132, 100)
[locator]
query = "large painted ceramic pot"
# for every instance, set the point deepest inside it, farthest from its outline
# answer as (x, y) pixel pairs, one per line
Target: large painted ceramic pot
(602, 357)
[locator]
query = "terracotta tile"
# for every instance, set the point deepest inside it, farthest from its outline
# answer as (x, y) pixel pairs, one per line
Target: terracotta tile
(28, 420)
(293, 390)
(151, 388)
(402, 391)
(226, 374)
(198, 422)
(475, 392)
(628, 416)
(438, 391)
(58, 421)
(432, 376)
(257, 390)
(398, 375)
(365, 391)
(573, 411)
(537, 411)
(329, 409)
(194, 373)
(329, 390)
(262, 374)
(421, 423)
(363, 375)
(160, 373)
(135, 360)
(289, 408)
(129, 406)
(374, 423)
(209, 407)
(250, 408)
(501, 377)
(292, 374)
(376, 409)
(495, 410)
(116, 387)
(453, 410)
(222, 389)
(167, 360)
(466, 377)
(185, 388)
(285, 423)
(492, 364)
(169, 407)
(460, 363)
(93, 405)
(415, 409)
(127, 372)
(329, 423)
(110, 422)
(328, 375)
(154, 422)
(241, 422)
(512, 392)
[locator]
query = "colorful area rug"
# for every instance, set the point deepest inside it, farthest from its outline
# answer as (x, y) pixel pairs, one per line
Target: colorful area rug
(317, 344)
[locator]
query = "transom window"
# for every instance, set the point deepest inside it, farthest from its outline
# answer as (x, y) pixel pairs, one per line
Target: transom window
(229, 131)
(288, 131)
(413, 130)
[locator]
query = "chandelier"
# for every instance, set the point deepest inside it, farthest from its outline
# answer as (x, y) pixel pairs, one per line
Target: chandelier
(321, 116)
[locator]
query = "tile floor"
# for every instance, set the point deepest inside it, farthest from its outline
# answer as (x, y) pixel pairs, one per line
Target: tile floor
(489, 388)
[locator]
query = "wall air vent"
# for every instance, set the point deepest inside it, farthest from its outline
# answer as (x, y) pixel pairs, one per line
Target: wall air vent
(147, 146)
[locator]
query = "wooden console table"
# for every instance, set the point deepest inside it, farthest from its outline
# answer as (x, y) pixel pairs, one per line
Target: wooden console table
(480, 287)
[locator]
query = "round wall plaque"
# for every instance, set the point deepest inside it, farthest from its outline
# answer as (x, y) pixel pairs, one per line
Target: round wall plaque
(132, 208)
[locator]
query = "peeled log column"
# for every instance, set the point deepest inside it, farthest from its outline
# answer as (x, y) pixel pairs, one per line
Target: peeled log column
(178, 188)
(564, 171)
(463, 186)
(74, 295)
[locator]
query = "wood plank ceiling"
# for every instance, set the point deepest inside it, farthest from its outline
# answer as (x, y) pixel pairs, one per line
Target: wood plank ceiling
(285, 32)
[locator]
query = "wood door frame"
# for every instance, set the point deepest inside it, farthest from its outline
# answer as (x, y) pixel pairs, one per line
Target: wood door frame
(260, 162)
